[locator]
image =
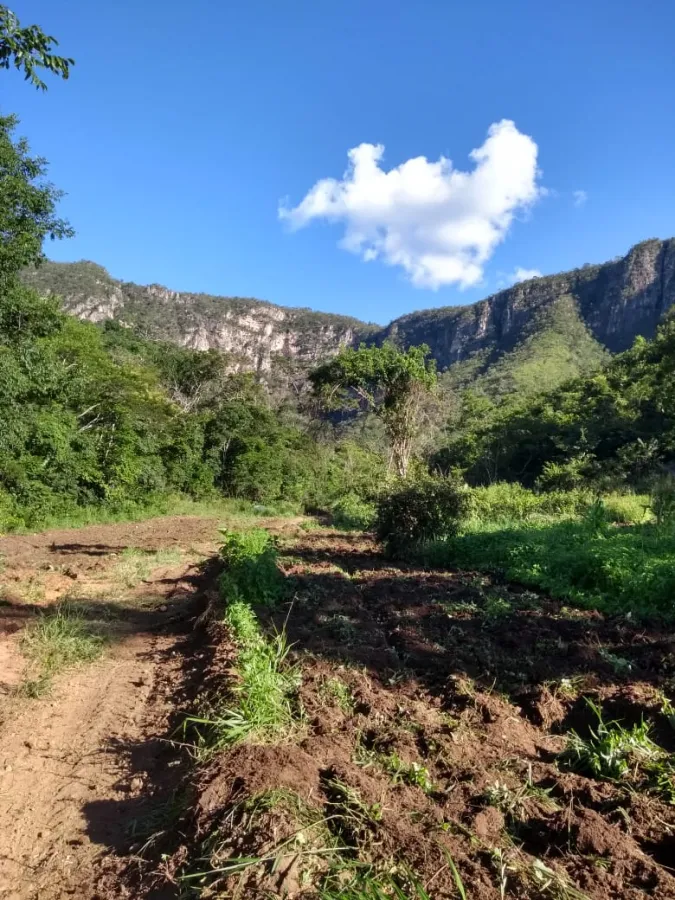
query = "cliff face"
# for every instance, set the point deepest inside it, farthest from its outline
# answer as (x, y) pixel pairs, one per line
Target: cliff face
(253, 331)
(617, 301)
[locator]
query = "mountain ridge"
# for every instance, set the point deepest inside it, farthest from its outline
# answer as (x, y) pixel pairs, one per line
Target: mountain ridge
(616, 301)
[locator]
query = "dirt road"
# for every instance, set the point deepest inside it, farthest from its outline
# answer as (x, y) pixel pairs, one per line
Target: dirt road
(79, 766)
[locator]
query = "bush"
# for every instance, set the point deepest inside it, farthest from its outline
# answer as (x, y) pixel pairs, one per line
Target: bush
(353, 513)
(427, 510)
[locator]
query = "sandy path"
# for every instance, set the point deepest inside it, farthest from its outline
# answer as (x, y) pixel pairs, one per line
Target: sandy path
(64, 773)
(79, 766)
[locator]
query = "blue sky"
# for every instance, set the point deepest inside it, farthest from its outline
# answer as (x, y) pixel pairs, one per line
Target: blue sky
(184, 126)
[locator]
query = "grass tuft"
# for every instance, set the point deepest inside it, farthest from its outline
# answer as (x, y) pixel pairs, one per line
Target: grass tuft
(58, 639)
(264, 695)
(611, 751)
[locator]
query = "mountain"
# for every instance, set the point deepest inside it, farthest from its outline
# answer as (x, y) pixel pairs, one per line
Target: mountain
(586, 310)
(252, 330)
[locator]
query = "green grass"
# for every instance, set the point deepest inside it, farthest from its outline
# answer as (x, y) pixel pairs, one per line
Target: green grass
(57, 640)
(614, 569)
(262, 704)
(611, 751)
(241, 512)
(251, 572)
(263, 701)
(359, 885)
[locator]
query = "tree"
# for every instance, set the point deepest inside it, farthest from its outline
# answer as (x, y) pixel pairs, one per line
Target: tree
(29, 49)
(386, 380)
(27, 205)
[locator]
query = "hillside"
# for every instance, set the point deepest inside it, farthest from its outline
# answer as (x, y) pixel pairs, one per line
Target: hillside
(612, 304)
(252, 329)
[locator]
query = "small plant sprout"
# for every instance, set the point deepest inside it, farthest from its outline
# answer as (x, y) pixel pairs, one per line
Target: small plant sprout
(611, 751)
(336, 691)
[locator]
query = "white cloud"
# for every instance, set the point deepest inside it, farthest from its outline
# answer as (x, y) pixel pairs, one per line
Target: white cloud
(507, 279)
(580, 197)
(520, 274)
(438, 223)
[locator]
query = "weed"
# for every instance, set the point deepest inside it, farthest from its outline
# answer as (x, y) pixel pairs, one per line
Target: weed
(568, 688)
(58, 639)
(611, 750)
(620, 665)
(667, 710)
(399, 771)
(263, 693)
(499, 860)
(496, 607)
(252, 574)
(334, 689)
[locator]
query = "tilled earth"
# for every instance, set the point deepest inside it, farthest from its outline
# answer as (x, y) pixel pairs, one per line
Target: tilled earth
(432, 708)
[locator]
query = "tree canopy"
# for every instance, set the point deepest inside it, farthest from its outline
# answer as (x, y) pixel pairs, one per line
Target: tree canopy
(388, 381)
(29, 49)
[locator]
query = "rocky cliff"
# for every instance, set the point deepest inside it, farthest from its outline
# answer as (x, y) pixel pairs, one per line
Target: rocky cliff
(253, 331)
(617, 301)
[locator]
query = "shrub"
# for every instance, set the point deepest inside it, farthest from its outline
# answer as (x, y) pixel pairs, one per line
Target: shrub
(352, 512)
(427, 510)
(563, 476)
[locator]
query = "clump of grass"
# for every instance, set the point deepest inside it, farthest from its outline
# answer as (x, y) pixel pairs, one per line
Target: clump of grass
(264, 693)
(611, 751)
(551, 883)
(335, 690)
(352, 819)
(252, 574)
(58, 639)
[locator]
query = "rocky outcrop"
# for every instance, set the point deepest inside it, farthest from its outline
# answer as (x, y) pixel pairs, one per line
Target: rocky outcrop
(618, 301)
